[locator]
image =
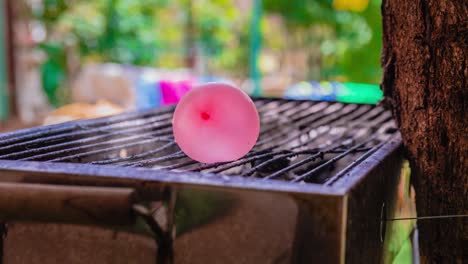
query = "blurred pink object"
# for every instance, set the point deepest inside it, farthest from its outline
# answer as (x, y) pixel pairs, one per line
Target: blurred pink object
(216, 122)
(173, 91)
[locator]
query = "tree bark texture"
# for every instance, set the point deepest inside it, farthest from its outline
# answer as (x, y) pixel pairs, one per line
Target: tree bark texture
(425, 58)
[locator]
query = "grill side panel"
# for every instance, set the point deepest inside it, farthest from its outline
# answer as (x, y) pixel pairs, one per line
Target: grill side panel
(373, 183)
(300, 225)
(215, 225)
(226, 226)
(311, 190)
(320, 230)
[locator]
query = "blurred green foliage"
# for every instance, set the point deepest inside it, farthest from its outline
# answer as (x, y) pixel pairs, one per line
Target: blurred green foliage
(120, 31)
(160, 33)
(143, 32)
(53, 71)
(4, 102)
(349, 42)
(398, 247)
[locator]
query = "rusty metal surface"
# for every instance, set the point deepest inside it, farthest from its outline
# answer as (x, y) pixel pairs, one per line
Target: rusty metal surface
(244, 222)
(69, 173)
(300, 141)
(218, 218)
(225, 226)
(370, 188)
(42, 202)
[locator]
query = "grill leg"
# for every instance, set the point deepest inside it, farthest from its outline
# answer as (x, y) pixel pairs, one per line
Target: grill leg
(162, 238)
(159, 217)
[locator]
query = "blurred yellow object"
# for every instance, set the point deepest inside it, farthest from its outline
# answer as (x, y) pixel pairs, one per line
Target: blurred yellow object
(78, 111)
(350, 5)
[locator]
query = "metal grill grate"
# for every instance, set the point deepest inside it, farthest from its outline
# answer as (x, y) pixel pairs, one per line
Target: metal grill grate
(300, 141)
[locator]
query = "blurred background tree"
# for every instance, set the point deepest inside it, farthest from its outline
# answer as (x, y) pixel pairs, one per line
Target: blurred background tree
(342, 39)
(305, 40)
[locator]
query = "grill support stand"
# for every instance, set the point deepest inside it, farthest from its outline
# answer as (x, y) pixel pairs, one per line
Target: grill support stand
(219, 217)
(162, 227)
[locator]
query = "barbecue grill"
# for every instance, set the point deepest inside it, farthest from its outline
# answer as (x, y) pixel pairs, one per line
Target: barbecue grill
(314, 186)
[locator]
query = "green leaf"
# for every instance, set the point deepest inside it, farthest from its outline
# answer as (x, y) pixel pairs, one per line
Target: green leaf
(405, 254)
(53, 77)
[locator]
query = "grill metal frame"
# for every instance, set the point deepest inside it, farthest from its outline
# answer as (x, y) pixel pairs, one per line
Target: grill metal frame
(336, 221)
(299, 140)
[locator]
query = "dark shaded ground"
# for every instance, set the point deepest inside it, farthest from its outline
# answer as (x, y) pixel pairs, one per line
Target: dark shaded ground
(59, 243)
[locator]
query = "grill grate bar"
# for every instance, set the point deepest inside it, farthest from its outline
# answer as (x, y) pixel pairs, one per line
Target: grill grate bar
(337, 176)
(284, 108)
(307, 123)
(298, 141)
(230, 165)
(298, 128)
(331, 161)
(143, 163)
(106, 150)
(282, 155)
(61, 130)
(83, 131)
(249, 159)
(137, 156)
(318, 153)
(292, 109)
(179, 165)
(319, 110)
(84, 142)
(123, 126)
(173, 156)
(65, 154)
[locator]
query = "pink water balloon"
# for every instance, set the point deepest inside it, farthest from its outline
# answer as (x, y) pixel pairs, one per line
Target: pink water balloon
(216, 122)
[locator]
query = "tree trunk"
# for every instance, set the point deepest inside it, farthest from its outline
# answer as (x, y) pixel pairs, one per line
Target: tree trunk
(425, 60)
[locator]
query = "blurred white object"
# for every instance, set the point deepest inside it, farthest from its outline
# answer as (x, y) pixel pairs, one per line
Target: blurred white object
(111, 82)
(32, 103)
(272, 85)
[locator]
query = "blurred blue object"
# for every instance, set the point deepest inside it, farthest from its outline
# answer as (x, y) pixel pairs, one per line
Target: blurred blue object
(148, 93)
(207, 79)
(148, 88)
(324, 91)
(335, 91)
